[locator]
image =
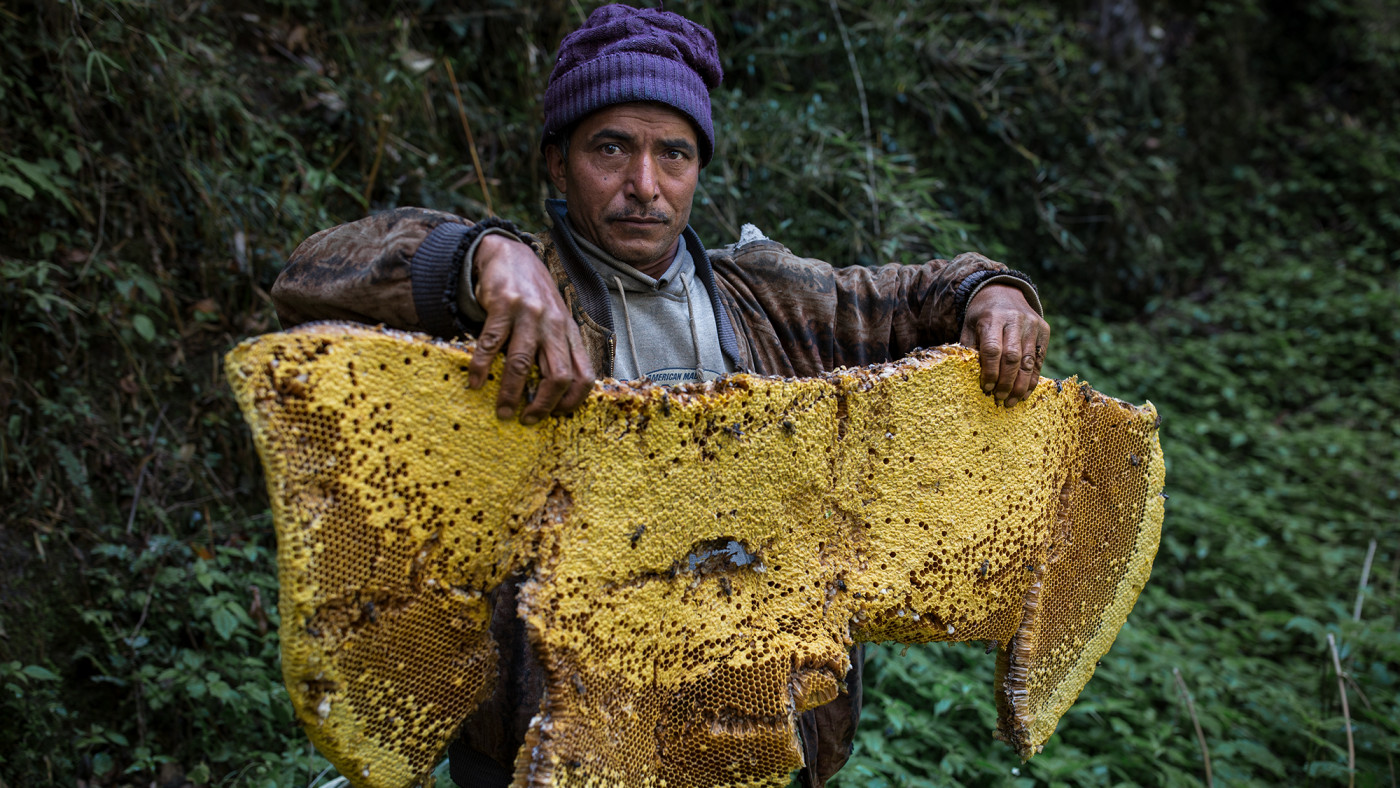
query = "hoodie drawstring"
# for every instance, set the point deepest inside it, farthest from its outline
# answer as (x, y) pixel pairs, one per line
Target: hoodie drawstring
(627, 318)
(694, 331)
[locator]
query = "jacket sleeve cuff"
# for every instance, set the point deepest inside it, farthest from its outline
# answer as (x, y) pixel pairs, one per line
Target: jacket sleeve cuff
(974, 282)
(434, 271)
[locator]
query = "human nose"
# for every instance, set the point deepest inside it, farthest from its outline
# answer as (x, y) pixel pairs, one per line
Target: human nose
(642, 180)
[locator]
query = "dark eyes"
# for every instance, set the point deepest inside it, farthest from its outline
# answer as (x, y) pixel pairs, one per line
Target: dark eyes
(614, 149)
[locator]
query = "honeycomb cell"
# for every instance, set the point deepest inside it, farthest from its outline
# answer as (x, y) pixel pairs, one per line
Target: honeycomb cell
(698, 560)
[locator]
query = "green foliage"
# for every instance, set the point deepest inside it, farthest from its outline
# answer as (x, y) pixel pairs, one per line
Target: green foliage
(1270, 349)
(1281, 469)
(1002, 130)
(1206, 191)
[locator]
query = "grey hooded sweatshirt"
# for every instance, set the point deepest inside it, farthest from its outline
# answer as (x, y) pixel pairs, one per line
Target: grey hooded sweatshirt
(666, 330)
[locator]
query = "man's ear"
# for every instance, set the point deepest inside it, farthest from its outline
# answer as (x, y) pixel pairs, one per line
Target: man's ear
(554, 160)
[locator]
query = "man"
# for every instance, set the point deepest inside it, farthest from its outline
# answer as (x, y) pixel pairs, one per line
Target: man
(620, 286)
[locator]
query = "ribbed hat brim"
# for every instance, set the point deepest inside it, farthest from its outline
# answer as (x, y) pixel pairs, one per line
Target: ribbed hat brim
(625, 77)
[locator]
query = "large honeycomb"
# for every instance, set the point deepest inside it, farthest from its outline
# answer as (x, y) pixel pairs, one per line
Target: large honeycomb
(698, 560)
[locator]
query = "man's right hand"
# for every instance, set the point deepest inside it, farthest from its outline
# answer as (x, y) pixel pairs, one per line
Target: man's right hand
(528, 321)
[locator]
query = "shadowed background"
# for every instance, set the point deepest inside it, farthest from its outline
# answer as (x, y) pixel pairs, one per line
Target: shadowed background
(1206, 193)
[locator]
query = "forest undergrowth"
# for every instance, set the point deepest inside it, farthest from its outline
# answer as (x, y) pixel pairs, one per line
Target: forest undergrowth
(1206, 192)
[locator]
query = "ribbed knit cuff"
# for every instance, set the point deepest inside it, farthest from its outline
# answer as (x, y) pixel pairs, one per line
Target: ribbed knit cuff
(434, 272)
(974, 282)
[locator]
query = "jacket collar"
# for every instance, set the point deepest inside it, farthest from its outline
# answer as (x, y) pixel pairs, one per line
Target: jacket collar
(593, 292)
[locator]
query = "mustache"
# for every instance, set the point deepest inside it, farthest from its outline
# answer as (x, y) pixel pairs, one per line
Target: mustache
(659, 216)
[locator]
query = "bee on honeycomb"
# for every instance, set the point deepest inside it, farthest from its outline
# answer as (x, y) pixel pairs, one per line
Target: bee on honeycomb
(685, 617)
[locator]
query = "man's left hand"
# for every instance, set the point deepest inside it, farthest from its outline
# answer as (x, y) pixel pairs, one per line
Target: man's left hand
(1011, 340)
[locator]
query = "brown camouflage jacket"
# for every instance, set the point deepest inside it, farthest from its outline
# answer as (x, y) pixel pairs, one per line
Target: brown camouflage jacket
(789, 316)
(777, 314)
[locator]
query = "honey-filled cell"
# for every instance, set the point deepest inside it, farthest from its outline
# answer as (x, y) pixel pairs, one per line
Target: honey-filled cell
(697, 562)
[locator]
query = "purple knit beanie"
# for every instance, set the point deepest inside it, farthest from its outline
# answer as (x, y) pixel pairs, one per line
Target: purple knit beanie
(624, 54)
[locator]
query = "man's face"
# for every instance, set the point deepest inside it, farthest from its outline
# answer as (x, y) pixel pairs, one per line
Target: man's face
(629, 180)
